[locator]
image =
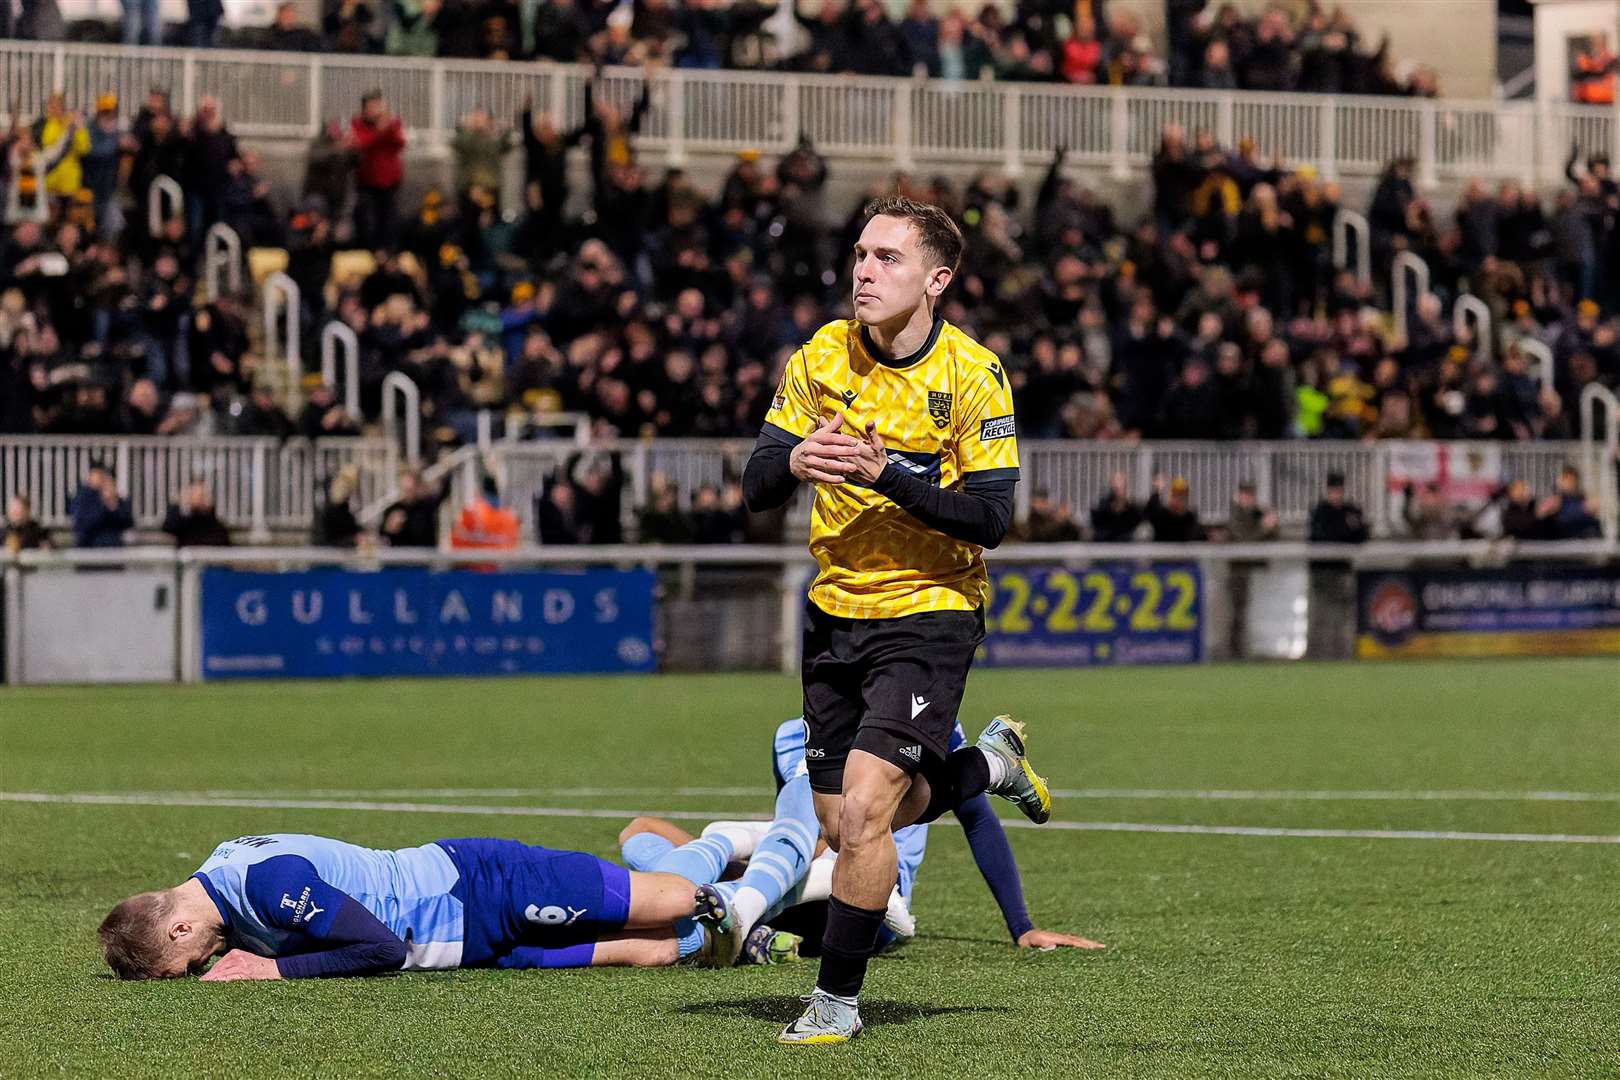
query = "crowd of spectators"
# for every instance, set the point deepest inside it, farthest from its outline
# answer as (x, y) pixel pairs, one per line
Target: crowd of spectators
(1423, 512)
(1220, 46)
(653, 307)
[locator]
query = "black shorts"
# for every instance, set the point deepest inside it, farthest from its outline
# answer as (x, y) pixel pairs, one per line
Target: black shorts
(898, 680)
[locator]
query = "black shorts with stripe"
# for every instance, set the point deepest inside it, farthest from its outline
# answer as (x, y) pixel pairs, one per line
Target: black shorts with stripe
(896, 684)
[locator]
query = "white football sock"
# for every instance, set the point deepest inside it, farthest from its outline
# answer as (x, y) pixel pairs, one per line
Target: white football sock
(818, 879)
(1000, 769)
(743, 835)
(747, 907)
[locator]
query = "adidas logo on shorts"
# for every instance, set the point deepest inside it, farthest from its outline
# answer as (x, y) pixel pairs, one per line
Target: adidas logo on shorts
(914, 753)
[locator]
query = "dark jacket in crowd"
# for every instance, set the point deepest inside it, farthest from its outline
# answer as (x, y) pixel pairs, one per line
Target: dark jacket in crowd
(1342, 524)
(95, 525)
(196, 528)
(1114, 521)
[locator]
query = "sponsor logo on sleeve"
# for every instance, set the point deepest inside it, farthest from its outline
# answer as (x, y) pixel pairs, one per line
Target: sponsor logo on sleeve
(997, 427)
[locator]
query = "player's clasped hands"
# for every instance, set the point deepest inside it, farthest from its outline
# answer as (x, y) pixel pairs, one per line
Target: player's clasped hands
(828, 456)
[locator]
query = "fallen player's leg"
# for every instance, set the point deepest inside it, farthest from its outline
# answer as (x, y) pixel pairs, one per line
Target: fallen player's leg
(775, 870)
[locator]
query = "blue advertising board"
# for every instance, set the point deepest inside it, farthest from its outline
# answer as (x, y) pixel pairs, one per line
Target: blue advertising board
(1104, 614)
(415, 621)
(1506, 611)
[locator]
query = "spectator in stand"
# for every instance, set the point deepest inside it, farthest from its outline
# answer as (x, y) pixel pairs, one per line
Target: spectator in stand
(1523, 517)
(262, 416)
(109, 147)
(1335, 520)
(349, 27)
(1217, 73)
(325, 416)
(101, 516)
(64, 140)
(22, 531)
(143, 409)
(1428, 516)
(335, 523)
(378, 137)
(329, 170)
(1172, 519)
(191, 520)
(484, 523)
(412, 520)
(202, 23)
(718, 517)
(663, 521)
(557, 515)
(1115, 518)
(1047, 523)
(143, 25)
(1248, 521)
(287, 34)
(479, 147)
(1576, 515)
(209, 152)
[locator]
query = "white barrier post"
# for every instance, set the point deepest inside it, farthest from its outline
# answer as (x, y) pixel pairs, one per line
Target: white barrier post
(399, 385)
(1543, 357)
(1600, 467)
(161, 186)
(1344, 223)
(332, 334)
(1472, 308)
(280, 283)
(259, 531)
(1406, 263)
(222, 248)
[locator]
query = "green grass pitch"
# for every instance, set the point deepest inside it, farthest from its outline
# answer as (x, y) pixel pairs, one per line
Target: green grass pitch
(1229, 955)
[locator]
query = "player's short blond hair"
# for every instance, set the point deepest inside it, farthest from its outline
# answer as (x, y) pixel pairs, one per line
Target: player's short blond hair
(134, 936)
(940, 237)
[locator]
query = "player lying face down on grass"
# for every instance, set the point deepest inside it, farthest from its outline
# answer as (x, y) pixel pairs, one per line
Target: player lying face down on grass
(788, 874)
(290, 906)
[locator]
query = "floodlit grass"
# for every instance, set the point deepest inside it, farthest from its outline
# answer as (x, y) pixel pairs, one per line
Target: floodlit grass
(1230, 956)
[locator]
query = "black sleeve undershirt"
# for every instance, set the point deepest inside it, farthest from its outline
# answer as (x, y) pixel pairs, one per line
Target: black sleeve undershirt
(767, 480)
(978, 514)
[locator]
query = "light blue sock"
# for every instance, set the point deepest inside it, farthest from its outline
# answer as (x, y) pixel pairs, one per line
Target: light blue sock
(782, 857)
(688, 937)
(700, 861)
(644, 849)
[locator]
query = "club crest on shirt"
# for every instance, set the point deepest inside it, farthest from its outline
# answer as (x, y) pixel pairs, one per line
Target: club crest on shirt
(939, 407)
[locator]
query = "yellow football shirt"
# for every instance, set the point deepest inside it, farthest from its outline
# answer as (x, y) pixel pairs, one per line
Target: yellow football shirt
(943, 412)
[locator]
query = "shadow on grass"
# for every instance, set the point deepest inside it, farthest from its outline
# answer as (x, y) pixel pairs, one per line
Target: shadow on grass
(781, 1009)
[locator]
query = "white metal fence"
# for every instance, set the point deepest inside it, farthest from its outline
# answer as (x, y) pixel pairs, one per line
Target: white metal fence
(257, 484)
(260, 484)
(904, 121)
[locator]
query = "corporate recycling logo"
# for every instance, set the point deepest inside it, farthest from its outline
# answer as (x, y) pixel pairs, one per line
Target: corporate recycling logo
(1391, 610)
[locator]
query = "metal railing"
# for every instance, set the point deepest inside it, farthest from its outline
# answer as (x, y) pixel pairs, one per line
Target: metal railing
(258, 484)
(261, 485)
(903, 121)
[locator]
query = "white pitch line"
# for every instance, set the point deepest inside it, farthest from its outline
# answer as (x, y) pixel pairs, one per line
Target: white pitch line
(1100, 794)
(91, 799)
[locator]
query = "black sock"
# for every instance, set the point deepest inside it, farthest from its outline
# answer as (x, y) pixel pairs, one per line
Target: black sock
(846, 946)
(962, 776)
